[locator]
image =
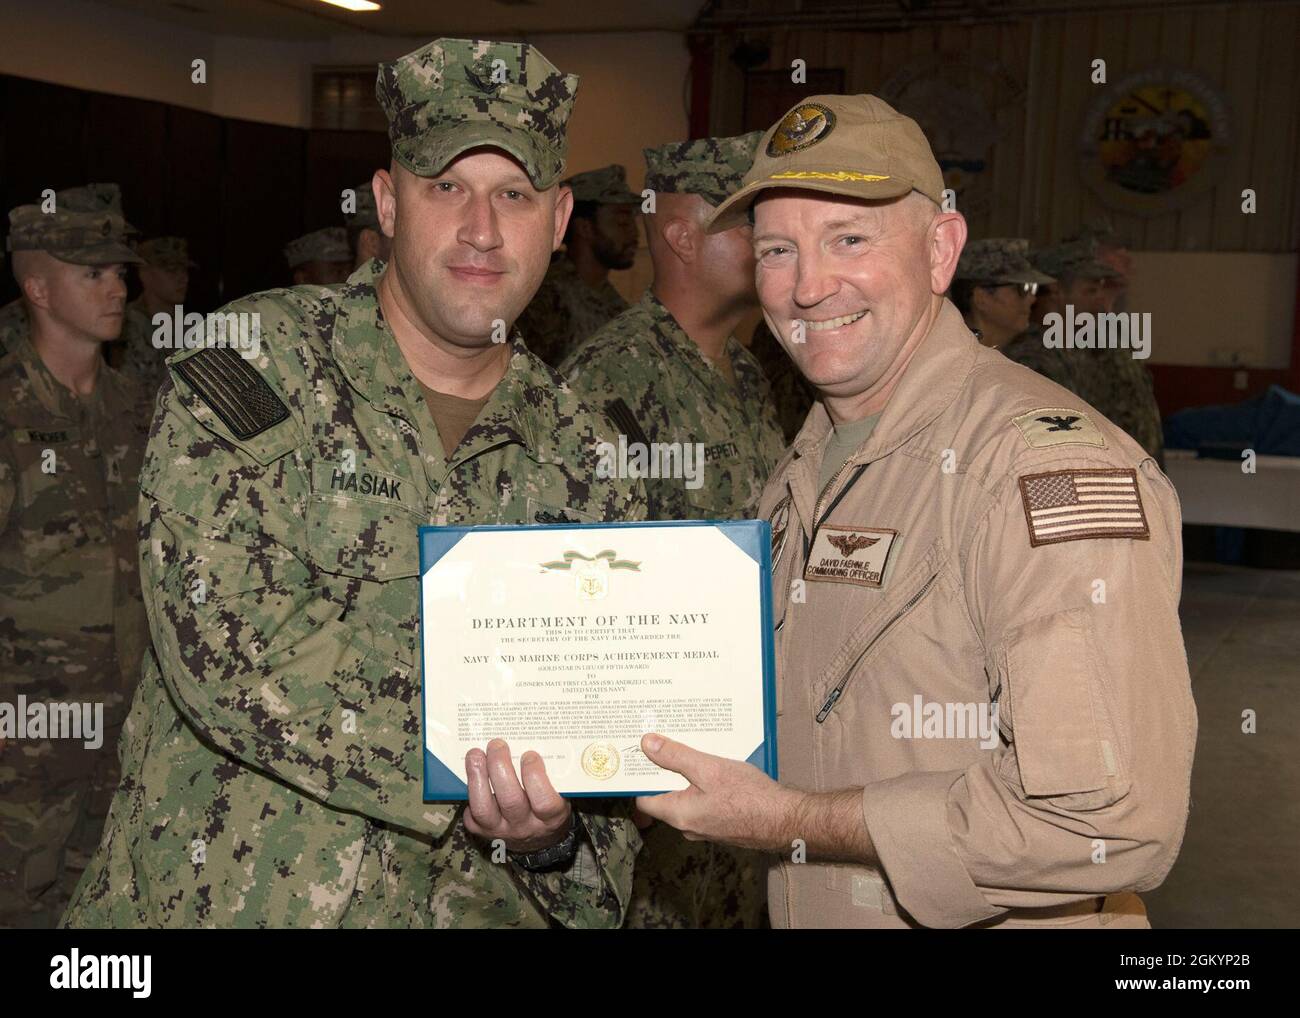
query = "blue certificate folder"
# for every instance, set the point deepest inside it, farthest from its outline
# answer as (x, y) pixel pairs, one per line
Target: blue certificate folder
(753, 537)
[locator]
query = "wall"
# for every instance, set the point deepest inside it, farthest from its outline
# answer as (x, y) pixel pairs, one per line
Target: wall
(632, 95)
(1033, 76)
(104, 49)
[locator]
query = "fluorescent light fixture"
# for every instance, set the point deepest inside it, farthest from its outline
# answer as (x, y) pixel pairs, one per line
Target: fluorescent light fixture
(352, 5)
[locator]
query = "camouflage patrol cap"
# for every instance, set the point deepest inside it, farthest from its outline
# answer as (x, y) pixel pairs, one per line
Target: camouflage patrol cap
(709, 167)
(80, 238)
(998, 260)
(366, 216)
(605, 186)
(853, 145)
(91, 198)
(327, 245)
(457, 94)
(166, 253)
(1079, 259)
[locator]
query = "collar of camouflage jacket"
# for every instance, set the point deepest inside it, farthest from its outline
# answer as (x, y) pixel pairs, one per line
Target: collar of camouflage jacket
(678, 346)
(368, 355)
(56, 397)
(931, 381)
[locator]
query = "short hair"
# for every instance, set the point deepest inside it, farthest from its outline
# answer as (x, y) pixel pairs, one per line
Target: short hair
(581, 210)
(24, 264)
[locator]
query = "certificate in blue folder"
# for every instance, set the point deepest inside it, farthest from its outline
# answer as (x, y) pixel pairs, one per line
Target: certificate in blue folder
(574, 640)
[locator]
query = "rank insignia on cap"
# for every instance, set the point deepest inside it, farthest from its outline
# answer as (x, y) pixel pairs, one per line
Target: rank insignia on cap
(850, 555)
(234, 391)
(1058, 426)
(804, 125)
(1074, 505)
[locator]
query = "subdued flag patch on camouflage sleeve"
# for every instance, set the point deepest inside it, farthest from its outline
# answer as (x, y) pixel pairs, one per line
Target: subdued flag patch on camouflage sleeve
(625, 420)
(234, 390)
(1076, 505)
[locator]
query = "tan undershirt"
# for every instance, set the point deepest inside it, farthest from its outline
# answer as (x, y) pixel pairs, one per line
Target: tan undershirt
(452, 416)
(845, 440)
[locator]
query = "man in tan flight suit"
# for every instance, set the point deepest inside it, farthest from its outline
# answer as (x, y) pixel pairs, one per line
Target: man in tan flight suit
(984, 711)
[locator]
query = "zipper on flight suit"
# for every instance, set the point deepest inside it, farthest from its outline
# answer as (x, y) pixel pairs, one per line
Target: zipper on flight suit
(840, 686)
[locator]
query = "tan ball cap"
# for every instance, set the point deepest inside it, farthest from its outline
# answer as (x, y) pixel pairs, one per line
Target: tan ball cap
(855, 145)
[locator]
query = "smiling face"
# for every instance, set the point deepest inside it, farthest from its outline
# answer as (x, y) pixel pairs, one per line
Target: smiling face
(863, 277)
(471, 245)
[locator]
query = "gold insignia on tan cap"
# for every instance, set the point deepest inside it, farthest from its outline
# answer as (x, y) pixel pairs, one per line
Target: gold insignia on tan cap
(804, 125)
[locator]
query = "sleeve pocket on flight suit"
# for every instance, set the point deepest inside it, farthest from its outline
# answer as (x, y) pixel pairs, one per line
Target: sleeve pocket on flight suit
(1065, 741)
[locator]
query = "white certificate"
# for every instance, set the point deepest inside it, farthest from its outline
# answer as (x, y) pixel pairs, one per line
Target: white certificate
(573, 641)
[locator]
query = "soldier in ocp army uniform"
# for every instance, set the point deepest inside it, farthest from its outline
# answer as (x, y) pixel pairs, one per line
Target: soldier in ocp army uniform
(675, 377)
(72, 621)
(321, 257)
(164, 279)
(272, 757)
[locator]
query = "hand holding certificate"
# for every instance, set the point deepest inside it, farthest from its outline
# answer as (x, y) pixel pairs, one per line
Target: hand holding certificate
(574, 641)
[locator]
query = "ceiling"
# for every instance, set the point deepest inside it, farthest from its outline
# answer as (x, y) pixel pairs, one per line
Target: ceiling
(302, 20)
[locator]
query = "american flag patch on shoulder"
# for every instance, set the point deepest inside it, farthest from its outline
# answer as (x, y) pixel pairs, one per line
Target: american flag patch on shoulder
(1073, 505)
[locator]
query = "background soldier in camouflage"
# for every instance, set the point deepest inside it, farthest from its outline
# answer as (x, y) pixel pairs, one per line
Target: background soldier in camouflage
(682, 378)
(1115, 383)
(792, 396)
(994, 288)
(321, 258)
(164, 280)
(577, 298)
(365, 236)
(72, 623)
(273, 752)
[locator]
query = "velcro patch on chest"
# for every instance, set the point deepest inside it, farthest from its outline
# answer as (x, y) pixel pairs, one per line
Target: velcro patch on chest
(1048, 426)
(1076, 505)
(36, 436)
(850, 555)
(234, 391)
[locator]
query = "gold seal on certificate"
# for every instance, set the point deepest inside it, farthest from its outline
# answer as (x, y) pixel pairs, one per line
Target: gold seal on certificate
(573, 641)
(600, 760)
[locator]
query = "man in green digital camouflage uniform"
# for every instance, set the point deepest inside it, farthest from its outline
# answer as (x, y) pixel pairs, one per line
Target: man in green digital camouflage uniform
(72, 621)
(164, 279)
(365, 236)
(272, 758)
(319, 258)
(577, 298)
(1112, 380)
(675, 377)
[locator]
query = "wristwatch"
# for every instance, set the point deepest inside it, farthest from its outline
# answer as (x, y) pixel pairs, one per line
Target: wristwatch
(556, 857)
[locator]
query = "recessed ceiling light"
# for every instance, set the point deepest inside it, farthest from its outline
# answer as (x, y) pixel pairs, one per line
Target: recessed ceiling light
(352, 5)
